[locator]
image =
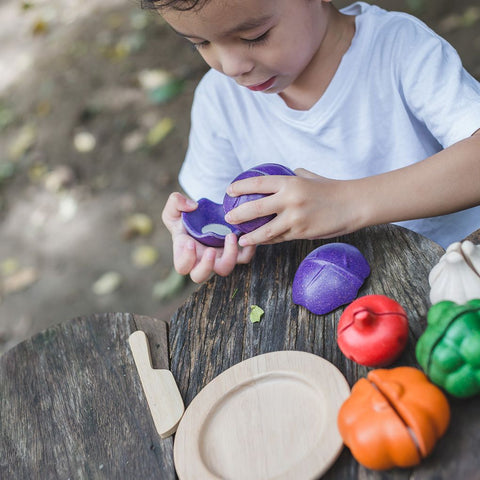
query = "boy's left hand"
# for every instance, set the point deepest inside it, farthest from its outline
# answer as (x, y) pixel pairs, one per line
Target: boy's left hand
(307, 206)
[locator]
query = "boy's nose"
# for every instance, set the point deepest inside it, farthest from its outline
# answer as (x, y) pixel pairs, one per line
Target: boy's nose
(234, 64)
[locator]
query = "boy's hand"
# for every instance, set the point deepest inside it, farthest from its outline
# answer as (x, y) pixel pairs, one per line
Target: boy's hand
(192, 257)
(307, 206)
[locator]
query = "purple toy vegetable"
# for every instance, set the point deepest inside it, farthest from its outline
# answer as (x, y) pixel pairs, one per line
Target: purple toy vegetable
(229, 203)
(329, 276)
(207, 223)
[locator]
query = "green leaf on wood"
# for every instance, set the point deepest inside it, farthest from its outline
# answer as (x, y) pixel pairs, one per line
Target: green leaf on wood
(256, 313)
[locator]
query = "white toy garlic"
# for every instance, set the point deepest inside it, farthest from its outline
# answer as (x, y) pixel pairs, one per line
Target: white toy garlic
(456, 276)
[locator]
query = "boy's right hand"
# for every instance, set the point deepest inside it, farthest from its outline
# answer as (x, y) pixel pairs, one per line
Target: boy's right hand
(194, 258)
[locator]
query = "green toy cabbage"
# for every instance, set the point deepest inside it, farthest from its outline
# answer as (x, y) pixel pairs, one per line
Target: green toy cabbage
(449, 349)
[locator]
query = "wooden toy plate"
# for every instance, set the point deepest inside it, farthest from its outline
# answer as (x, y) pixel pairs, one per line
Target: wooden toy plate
(271, 416)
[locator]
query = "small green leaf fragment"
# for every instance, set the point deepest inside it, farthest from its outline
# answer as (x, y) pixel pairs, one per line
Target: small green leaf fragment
(23, 142)
(169, 287)
(256, 313)
(7, 169)
(160, 85)
(163, 93)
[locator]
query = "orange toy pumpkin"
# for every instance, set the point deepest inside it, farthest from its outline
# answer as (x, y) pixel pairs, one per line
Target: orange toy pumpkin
(393, 418)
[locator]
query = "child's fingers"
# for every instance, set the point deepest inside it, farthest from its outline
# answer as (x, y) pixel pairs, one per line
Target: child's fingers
(227, 261)
(176, 204)
(205, 267)
(260, 184)
(246, 254)
(184, 254)
(186, 258)
(253, 209)
(272, 232)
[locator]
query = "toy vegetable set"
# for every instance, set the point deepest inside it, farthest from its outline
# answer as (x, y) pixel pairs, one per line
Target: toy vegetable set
(393, 417)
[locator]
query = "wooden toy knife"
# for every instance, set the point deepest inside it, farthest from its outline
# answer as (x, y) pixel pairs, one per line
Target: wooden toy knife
(161, 390)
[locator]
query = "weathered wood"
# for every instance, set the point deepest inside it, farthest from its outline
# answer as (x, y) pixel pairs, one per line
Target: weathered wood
(211, 332)
(72, 405)
(474, 237)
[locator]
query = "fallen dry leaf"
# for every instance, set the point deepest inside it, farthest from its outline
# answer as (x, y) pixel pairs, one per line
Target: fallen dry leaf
(59, 178)
(144, 256)
(9, 266)
(107, 283)
(133, 141)
(84, 142)
(159, 131)
(138, 224)
(20, 280)
(23, 142)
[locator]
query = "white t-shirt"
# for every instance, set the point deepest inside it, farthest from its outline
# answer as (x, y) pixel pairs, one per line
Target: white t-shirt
(400, 94)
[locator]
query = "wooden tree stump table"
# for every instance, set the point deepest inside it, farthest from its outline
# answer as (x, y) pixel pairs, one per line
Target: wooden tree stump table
(211, 332)
(72, 405)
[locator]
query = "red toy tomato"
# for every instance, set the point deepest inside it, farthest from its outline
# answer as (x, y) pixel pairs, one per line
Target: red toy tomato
(373, 330)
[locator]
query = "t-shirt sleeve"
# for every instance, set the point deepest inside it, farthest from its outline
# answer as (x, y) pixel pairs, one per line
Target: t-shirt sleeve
(437, 88)
(210, 163)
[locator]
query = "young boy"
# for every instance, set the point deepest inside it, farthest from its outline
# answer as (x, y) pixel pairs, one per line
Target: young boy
(373, 110)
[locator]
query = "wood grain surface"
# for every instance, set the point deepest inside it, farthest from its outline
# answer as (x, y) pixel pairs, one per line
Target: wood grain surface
(72, 405)
(211, 332)
(474, 237)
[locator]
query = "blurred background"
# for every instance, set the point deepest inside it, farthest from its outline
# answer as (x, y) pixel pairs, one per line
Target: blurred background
(94, 116)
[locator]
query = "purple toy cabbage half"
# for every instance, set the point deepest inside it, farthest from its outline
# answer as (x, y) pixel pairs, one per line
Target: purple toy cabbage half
(329, 276)
(229, 203)
(207, 223)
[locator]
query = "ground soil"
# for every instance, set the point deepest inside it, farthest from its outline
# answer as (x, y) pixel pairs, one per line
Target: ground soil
(70, 67)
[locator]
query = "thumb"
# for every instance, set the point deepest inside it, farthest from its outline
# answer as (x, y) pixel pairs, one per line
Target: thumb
(301, 172)
(176, 204)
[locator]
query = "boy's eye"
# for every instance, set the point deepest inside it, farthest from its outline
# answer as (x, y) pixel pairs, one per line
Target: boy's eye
(250, 41)
(257, 40)
(200, 45)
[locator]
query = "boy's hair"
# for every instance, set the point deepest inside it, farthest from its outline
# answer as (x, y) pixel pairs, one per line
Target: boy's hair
(181, 5)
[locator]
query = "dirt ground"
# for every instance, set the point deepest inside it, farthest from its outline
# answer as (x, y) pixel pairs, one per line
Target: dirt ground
(86, 147)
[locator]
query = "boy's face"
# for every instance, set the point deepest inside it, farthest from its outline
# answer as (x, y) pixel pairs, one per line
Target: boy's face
(264, 45)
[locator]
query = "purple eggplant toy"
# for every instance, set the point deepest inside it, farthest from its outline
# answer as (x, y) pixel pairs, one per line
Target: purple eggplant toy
(207, 223)
(229, 203)
(329, 276)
